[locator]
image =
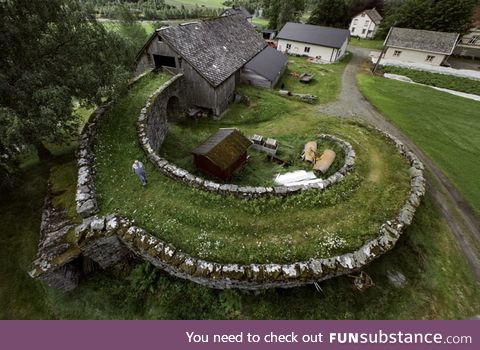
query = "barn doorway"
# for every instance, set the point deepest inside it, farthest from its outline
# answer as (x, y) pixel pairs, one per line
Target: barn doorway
(174, 110)
(164, 61)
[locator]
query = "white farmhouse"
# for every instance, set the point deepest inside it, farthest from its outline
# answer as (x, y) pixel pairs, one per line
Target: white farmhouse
(322, 43)
(365, 24)
(419, 46)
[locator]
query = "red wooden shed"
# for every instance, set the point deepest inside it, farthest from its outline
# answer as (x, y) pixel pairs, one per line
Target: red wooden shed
(222, 154)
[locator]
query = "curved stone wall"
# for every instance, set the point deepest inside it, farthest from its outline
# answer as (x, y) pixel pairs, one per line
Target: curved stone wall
(108, 240)
(152, 129)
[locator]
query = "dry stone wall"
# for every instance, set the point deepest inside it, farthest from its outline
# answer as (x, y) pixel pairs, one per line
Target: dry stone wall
(108, 240)
(152, 129)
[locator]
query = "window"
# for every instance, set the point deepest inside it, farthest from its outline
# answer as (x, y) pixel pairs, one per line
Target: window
(363, 31)
(307, 49)
(367, 22)
(429, 58)
(353, 30)
(396, 53)
(289, 46)
(475, 40)
(159, 38)
(355, 21)
(363, 15)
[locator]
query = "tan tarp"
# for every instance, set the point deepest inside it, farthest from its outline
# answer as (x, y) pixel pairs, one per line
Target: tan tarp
(325, 161)
(310, 151)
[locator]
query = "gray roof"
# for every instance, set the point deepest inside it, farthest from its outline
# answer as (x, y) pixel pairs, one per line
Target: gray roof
(269, 63)
(422, 40)
(237, 10)
(307, 33)
(217, 47)
(374, 15)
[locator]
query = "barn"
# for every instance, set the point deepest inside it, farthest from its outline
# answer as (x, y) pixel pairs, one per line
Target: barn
(209, 54)
(265, 69)
(222, 154)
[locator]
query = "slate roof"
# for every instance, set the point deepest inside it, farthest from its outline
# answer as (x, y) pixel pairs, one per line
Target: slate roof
(374, 15)
(269, 63)
(422, 40)
(217, 47)
(237, 10)
(224, 148)
(317, 35)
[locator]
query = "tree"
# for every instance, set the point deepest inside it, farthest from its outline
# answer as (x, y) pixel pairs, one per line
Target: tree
(280, 12)
(437, 15)
(54, 53)
(330, 13)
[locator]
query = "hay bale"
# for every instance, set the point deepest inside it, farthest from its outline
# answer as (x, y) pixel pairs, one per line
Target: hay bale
(325, 161)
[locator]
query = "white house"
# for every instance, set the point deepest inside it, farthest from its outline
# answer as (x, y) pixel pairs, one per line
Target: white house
(419, 46)
(323, 43)
(365, 24)
(469, 44)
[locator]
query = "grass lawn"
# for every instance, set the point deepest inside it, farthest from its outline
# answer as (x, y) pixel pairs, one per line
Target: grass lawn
(446, 127)
(469, 86)
(192, 3)
(439, 283)
(225, 229)
(325, 84)
(260, 22)
(367, 43)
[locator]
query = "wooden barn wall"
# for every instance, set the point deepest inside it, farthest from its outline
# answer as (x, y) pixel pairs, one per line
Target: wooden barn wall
(224, 93)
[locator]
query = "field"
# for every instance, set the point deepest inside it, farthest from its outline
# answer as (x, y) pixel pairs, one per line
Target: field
(325, 84)
(226, 229)
(446, 127)
(439, 285)
(201, 3)
(366, 43)
(469, 86)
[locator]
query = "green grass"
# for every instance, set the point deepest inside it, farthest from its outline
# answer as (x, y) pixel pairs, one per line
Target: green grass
(225, 229)
(469, 86)
(366, 43)
(201, 3)
(148, 26)
(445, 127)
(439, 284)
(325, 84)
(260, 22)
(259, 171)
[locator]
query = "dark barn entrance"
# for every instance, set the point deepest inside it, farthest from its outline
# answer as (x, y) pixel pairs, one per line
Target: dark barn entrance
(164, 61)
(174, 110)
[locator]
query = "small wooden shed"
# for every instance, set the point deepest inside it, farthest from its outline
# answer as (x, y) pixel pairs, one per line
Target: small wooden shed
(222, 154)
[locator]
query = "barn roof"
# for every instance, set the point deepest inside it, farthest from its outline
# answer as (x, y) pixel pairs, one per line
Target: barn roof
(237, 10)
(224, 148)
(374, 15)
(422, 40)
(217, 47)
(318, 35)
(269, 63)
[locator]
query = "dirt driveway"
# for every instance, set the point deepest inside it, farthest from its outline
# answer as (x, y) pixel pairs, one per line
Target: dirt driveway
(460, 217)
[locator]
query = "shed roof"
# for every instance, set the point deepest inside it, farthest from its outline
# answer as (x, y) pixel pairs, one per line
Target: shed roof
(224, 148)
(422, 40)
(237, 10)
(217, 47)
(269, 63)
(318, 35)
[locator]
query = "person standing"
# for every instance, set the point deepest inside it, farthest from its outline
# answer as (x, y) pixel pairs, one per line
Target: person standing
(139, 170)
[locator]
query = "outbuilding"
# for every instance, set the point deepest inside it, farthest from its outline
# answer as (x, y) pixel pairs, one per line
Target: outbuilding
(322, 43)
(265, 69)
(237, 10)
(209, 54)
(419, 46)
(222, 154)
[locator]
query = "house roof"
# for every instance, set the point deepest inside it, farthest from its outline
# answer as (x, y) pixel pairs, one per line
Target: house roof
(269, 63)
(217, 47)
(373, 14)
(422, 40)
(317, 35)
(237, 10)
(224, 148)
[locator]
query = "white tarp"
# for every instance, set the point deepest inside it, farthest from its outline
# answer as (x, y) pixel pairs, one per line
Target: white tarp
(295, 177)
